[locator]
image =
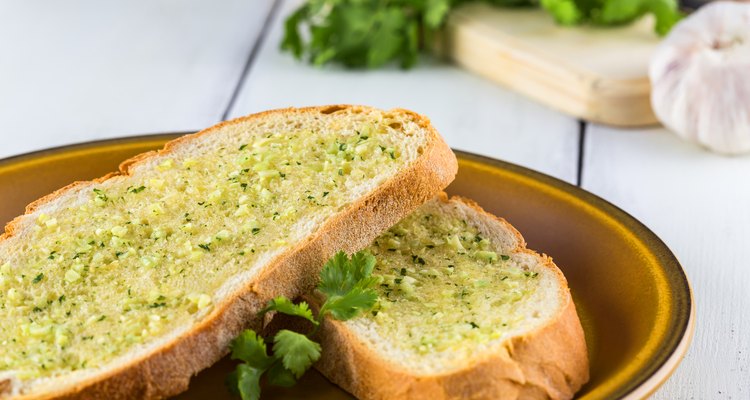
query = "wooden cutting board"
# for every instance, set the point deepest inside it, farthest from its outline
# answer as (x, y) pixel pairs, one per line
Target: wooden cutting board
(597, 74)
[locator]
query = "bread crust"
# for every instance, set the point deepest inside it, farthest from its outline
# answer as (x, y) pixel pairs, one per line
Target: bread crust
(550, 361)
(166, 370)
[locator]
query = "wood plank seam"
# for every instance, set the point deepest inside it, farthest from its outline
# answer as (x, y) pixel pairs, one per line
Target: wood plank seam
(581, 150)
(254, 50)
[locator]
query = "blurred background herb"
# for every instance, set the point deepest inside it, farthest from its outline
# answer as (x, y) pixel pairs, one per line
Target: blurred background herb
(371, 33)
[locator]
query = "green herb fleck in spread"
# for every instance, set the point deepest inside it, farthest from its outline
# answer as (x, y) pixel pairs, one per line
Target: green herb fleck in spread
(443, 286)
(132, 259)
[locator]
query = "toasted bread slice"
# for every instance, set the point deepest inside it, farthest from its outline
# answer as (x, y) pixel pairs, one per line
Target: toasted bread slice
(126, 286)
(465, 312)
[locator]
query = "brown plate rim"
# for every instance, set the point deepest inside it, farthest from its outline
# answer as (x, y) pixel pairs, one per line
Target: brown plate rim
(672, 351)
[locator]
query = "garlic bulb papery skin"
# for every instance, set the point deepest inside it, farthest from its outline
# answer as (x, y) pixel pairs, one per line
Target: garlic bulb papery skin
(700, 78)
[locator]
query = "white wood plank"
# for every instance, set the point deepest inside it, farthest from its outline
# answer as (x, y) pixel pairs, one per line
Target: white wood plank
(471, 113)
(595, 74)
(699, 204)
(78, 70)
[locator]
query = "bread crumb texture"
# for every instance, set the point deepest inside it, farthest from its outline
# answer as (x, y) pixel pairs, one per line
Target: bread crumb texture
(112, 266)
(448, 291)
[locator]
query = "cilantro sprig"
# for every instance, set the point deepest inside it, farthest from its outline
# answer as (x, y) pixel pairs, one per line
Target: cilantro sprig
(362, 33)
(346, 283)
(614, 12)
(372, 33)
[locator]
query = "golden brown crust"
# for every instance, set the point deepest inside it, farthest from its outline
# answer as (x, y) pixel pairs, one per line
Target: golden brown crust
(167, 370)
(548, 362)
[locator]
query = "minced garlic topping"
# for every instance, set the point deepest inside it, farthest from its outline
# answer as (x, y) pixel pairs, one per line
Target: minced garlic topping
(142, 256)
(443, 286)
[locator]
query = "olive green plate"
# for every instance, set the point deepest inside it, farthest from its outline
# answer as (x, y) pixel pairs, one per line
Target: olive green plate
(633, 297)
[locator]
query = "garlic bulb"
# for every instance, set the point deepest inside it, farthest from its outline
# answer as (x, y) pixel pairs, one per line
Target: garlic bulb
(700, 78)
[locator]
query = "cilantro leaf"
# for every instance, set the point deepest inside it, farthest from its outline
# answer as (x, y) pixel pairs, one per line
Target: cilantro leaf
(280, 376)
(232, 383)
(292, 40)
(370, 34)
(412, 45)
(285, 306)
(513, 3)
(333, 276)
(362, 263)
(340, 275)
(351, 304)
(667, 15)
(348, 284)
(435, 12)
(386, 37)
(565, 12)
(614, 12)
(248, 382)
(362, 34)
(296, 350)
(251, 348)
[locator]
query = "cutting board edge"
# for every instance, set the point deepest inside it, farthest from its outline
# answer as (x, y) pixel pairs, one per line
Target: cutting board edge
(622, 102)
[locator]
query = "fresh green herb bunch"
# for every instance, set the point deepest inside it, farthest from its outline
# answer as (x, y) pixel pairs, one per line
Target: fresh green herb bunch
(347, 284)
(614, 12)
(371, 33)
(363, 33)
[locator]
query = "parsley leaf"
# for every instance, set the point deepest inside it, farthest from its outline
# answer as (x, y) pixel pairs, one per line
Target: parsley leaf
(297, 351)
(370, 34)
(292, 40)
(347, 284)
(251, 348)
(351, 304)
(435, 12)
(285, 306)
(667, 14)
(617, 12)
(232, 383)
(278, 375)
(340, 275)
(387, 37)
(248, 382)
(361, 34)
(362, 264)
(333, 275)
(565, 12)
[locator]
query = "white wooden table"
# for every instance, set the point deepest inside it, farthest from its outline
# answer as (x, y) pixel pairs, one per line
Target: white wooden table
(84, 69)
